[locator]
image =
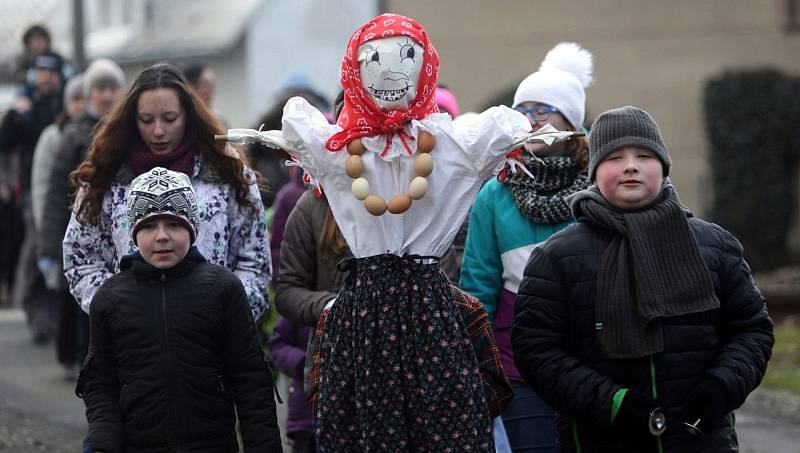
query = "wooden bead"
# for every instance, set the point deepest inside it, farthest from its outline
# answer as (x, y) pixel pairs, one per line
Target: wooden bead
(360, 188)
(418, 187)
(354, 167)
(399, 204)
(355, 147)
(375, 205)
(423, 164)
(425, 142)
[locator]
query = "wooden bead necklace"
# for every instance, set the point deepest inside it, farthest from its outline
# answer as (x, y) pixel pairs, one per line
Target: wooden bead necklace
(375, 204)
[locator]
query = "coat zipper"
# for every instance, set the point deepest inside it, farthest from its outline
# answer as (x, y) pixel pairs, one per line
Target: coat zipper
(170, 367)
(655, 396)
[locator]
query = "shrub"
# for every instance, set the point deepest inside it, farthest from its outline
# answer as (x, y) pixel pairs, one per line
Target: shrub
(752, 119)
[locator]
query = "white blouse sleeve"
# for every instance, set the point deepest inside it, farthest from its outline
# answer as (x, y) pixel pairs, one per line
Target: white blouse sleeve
(488, 137)
(307, 130)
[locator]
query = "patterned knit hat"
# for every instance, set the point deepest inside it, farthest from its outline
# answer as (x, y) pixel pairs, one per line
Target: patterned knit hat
(162, 193)
(621, 127)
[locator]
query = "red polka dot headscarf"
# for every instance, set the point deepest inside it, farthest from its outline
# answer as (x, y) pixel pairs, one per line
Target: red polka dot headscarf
(360, 116)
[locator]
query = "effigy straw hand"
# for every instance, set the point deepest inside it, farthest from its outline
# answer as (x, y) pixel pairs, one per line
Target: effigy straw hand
(547, 134)
(272, 139)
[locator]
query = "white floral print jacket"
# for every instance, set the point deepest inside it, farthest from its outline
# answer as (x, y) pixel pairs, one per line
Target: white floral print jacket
(230, 235)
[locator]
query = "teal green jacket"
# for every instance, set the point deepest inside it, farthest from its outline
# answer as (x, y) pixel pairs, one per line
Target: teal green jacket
(499, 241)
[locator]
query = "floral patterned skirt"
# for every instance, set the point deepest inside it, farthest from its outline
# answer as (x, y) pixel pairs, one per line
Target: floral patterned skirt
(397, 369)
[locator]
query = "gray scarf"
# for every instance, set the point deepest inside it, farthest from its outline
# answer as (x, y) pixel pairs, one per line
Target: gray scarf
(651, 270)
(541, 198)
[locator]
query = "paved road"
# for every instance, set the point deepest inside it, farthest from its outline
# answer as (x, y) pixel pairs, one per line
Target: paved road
(39, 412)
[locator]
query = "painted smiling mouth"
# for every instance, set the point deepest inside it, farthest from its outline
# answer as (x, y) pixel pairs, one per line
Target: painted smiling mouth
(389, 95)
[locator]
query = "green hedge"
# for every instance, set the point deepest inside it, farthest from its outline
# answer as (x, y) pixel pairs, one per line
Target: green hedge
(753, 120)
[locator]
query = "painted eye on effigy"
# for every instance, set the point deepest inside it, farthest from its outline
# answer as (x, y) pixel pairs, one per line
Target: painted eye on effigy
(373, 57)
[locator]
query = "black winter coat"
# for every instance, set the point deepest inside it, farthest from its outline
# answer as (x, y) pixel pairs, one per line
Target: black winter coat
(556, 350)
(171, 353)
(20, 132)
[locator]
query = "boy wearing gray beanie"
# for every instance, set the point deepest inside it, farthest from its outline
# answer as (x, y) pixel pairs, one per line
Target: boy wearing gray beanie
(640, 324)
(625, 126)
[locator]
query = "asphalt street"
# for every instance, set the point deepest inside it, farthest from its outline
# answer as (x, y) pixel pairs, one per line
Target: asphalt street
(40, 413)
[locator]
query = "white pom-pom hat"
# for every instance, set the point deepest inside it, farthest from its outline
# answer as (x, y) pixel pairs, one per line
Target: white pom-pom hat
(564, 74)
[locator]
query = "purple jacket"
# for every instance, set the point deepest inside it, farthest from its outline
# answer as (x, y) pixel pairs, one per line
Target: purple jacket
(288, 345)
(285, 200)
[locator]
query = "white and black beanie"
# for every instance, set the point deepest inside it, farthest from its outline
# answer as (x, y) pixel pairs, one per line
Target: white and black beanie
(560, 82)
(162, 193)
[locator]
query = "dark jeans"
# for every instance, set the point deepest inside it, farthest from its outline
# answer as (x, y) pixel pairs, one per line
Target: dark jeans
(529, 422)
(72, 337)
(12, 233)
(304, 444)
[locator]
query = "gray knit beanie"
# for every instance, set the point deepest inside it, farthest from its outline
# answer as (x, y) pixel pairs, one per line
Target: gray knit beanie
(621, 127)
(73, 90)
(102, 71)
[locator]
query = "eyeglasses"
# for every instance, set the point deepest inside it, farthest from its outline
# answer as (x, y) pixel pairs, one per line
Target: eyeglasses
(539, 114)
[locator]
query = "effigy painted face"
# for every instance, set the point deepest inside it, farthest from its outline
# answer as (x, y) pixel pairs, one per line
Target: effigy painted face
(390, 69)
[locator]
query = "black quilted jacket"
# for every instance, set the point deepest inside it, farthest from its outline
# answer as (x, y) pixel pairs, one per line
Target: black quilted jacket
(556, 350)
(171, 353)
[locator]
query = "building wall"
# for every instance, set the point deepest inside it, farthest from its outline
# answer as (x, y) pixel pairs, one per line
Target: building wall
(656, 55)
(307, 37)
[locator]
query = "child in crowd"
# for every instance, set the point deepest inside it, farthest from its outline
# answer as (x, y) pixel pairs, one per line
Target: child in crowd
(641, 324)
(173, 345)
(514, 212)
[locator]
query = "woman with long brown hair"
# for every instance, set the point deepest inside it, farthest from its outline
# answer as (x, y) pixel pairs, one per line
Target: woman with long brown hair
(162, 123)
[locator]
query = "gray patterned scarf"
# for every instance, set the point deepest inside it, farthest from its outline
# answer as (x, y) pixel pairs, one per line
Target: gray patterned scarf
(541, 199)
(652, 269)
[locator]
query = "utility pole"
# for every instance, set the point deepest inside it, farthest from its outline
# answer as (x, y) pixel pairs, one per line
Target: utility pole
(78, 53)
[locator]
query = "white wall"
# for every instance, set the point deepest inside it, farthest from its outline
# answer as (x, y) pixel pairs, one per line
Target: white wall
(290, 36)
(230, 99)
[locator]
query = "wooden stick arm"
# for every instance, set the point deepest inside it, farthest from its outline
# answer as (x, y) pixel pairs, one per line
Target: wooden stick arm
(272, 139)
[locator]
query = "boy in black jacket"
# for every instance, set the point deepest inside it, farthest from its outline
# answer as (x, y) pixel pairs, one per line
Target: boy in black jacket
(640, 324)
(173, 344)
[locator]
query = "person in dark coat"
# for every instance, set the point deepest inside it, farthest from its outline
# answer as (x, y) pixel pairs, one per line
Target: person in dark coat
(272, 164)
(285, 201)
(174, 357)
(641, 324)
(22, 125)
(102, 87)
(20, 129)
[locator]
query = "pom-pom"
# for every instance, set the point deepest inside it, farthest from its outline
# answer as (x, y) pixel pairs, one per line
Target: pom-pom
(572, 58)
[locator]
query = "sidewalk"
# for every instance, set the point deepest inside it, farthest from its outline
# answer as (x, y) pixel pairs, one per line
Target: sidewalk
(776, 404)
(22, 434)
